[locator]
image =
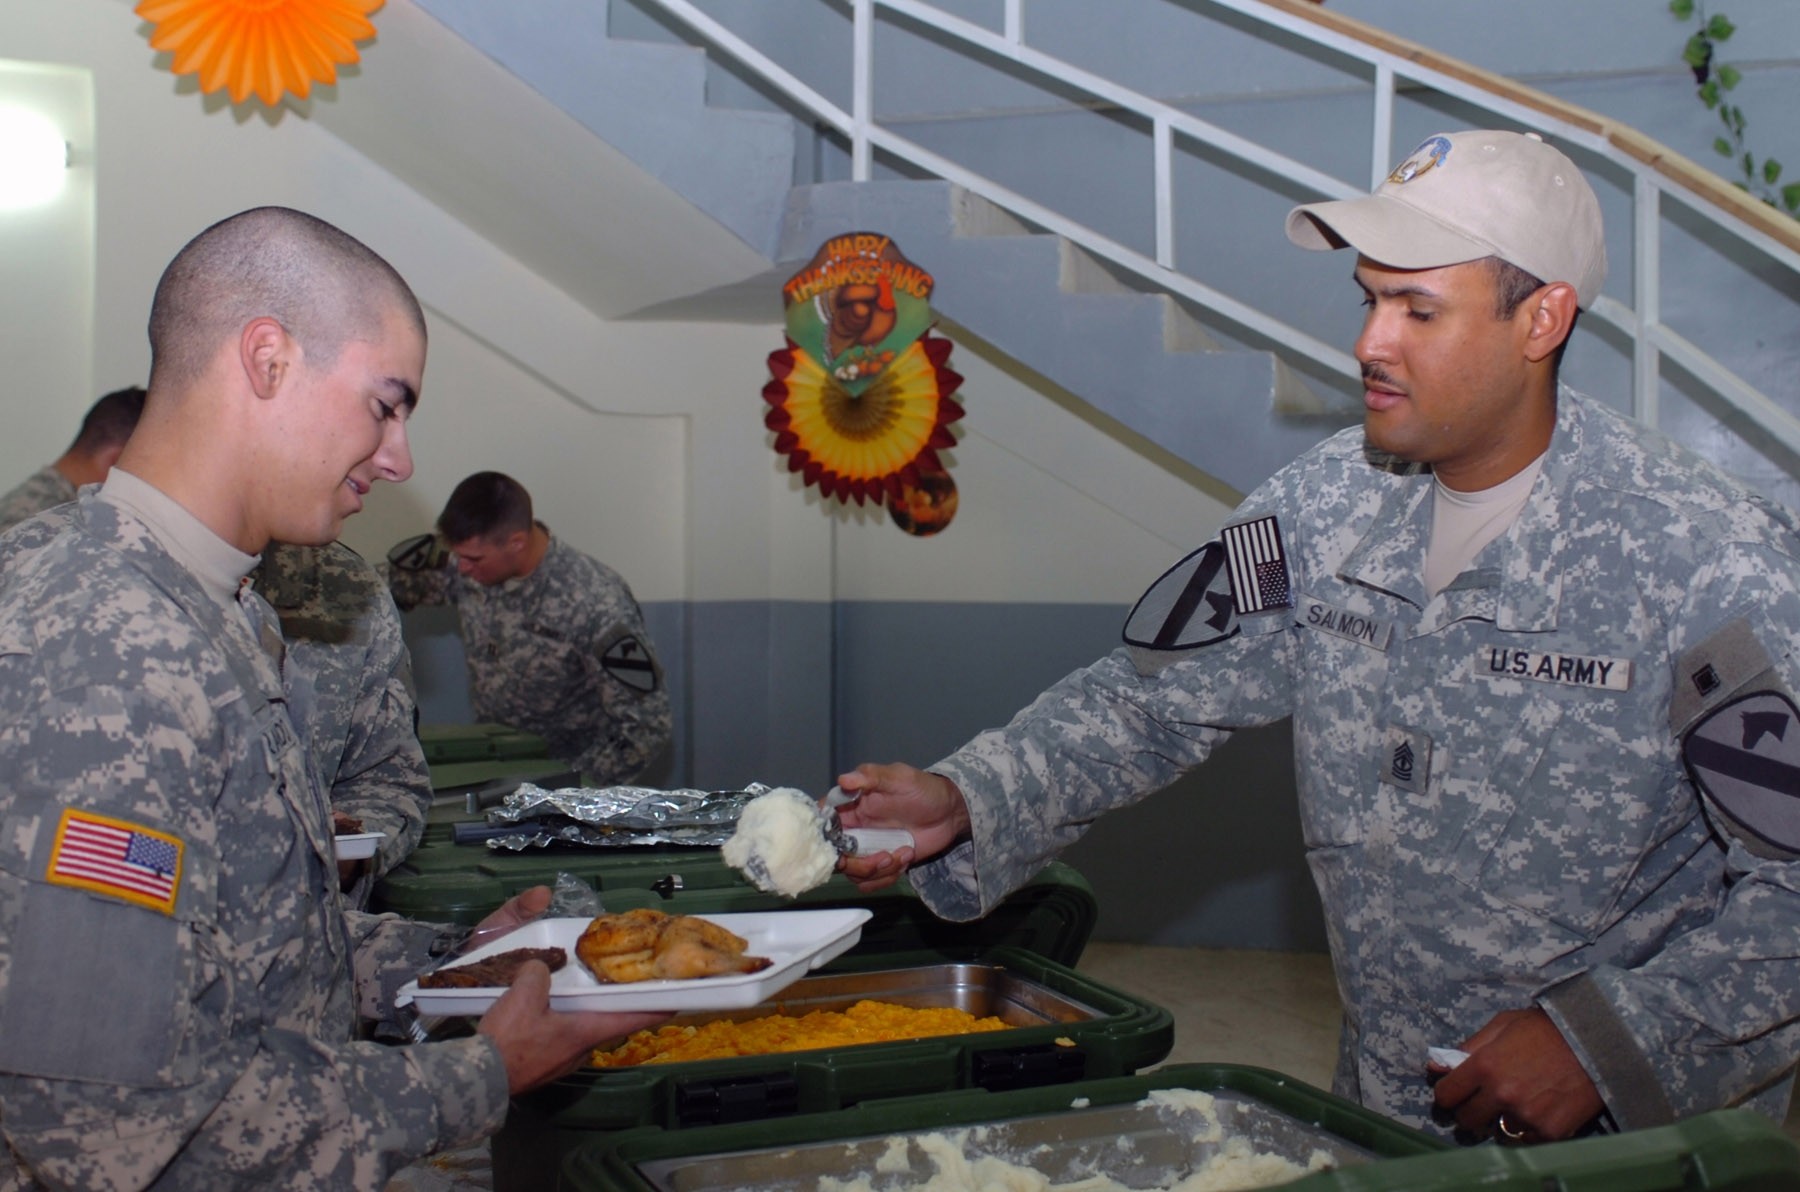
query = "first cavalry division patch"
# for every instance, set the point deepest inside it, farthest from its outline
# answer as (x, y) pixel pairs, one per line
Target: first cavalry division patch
(1746, 757)
(109, 856)
(627, 661)
(1188, 606)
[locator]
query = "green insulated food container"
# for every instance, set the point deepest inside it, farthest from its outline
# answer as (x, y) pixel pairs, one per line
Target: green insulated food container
(1017, 961)
(1120, 1126)
(1064, 1027)
(477, 742)
(466, 757)
(1105, 1127)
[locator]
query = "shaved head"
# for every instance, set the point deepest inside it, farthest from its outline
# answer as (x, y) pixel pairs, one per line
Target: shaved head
(322, 285)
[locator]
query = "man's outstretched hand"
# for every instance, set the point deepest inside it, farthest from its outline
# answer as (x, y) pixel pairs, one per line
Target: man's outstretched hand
(900, 796)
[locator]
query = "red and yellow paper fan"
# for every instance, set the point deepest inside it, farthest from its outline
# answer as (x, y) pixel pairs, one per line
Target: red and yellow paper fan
(265, 47)
(871, 444)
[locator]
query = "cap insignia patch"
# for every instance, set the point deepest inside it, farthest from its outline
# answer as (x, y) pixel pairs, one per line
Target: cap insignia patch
(1421, 161)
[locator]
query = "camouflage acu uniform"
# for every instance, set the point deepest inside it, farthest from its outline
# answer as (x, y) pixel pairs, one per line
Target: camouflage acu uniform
(562, 653)
(43, 489)
(184, 1016)
(348, 679)
(1492, 795)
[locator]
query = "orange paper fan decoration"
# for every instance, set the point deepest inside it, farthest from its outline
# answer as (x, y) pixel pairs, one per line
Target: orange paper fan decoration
(870, 444)
(263, 47)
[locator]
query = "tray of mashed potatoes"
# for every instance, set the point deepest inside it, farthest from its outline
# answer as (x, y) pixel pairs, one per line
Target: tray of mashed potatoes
(1191, 1128)
(1184, 1128)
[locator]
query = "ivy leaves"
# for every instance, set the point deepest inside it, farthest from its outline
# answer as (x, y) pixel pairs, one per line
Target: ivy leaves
(1713, 82)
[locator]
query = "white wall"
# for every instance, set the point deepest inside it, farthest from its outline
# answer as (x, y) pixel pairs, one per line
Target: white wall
(47, 282)
(641, 442)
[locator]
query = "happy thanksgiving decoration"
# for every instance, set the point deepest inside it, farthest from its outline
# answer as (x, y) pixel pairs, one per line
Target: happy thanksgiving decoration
(260, 47)
(860, 401)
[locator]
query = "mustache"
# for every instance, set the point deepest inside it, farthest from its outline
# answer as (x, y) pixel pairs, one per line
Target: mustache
(1375, 373)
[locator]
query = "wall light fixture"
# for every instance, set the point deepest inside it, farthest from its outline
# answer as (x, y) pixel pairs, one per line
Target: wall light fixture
(34, 159)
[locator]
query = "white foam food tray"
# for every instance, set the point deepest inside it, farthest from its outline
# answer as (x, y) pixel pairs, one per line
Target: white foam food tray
(795, 942)
(354, 846)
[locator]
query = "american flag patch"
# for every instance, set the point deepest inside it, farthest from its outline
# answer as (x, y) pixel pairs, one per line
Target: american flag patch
(1257, 565)
(109, 856)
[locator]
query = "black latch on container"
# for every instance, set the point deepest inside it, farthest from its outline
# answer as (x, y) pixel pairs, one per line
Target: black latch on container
(744, 1099)
(1027, 1067)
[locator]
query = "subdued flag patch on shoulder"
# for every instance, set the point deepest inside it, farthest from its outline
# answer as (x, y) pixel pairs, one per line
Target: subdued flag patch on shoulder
(112, 857)
(1257, 565)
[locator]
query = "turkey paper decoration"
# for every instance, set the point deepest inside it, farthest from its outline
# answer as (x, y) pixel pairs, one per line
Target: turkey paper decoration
(860, 400)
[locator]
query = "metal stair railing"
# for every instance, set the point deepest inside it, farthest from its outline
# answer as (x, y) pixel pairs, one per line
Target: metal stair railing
(1658, 174)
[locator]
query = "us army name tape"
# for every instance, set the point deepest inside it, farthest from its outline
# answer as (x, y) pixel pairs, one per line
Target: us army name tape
(1570, 670)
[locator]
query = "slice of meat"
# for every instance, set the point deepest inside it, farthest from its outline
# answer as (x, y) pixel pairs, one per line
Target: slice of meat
(500, 969)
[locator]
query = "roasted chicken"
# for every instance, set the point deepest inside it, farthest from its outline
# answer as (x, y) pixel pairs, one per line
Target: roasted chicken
(643, 945)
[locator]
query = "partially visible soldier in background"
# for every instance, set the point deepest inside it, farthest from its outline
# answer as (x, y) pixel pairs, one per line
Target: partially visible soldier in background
(553, 638)
(348, 676)
(108, 423)
(348, 679)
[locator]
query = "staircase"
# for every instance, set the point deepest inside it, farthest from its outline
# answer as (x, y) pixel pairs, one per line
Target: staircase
(1106, 317)
(1141, 359)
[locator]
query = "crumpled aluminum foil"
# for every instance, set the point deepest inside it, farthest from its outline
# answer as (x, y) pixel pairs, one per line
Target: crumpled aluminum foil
(618, 816)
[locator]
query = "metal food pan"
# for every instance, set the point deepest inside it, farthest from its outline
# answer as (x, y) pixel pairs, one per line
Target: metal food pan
(983, 990)
(1067, 1027)
(1147, 1131)
(1143, 1144)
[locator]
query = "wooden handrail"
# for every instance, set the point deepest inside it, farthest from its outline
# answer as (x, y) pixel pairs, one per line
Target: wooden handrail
(1694, 178)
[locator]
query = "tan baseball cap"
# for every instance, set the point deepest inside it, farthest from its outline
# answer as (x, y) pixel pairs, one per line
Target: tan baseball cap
(1462, 196)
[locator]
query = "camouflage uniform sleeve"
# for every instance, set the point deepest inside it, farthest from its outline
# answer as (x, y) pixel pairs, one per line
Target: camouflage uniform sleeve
(43, 489)
(1102, 738)
(382, 778)
(417, 572)
(623, 667)
(133, 1052)
(389, 951)
(1712, 1017)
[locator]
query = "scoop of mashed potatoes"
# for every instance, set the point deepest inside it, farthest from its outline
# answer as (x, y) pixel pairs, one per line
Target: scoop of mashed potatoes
(780, 843)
